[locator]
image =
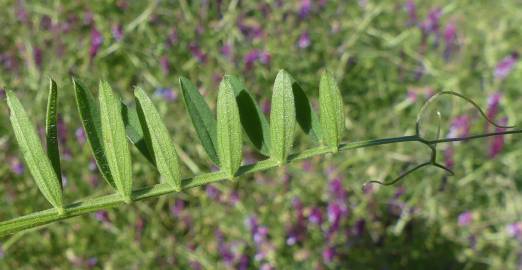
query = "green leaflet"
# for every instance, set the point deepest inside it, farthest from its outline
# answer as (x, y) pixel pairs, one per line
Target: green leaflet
(332, 114)
(51, 130)
(39, 165)
(134, 130)
(202, 118)
(228, 129)
(90, 116)
(252, 118)
(114, 141)
(282, 117)
(306, 117)
(157, 138)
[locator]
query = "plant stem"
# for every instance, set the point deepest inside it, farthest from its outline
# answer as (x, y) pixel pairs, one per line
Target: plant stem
(113, 200)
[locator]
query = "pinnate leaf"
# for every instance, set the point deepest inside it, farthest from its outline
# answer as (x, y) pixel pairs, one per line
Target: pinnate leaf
(282, 117)
(306, 117)
(228, 129)
(134, 130)
(157, 138)
(115, 141)
(38, 163)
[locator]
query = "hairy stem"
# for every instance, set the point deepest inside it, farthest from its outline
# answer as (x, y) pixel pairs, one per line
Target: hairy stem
(113, 200)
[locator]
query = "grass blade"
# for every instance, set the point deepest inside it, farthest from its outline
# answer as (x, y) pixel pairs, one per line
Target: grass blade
(51, 130)
(157, 138)
(91, 121)
(253, 120)
(39, 165)
(332, 114)
(282, 117)
(114, 140)
(306, 117)
(202, 118)
(228, 129)
(134, 130)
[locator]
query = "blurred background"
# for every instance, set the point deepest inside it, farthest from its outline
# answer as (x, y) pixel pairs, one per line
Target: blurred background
(388, 58)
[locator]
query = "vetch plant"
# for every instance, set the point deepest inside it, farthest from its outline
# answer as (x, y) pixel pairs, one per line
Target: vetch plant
(109, 123)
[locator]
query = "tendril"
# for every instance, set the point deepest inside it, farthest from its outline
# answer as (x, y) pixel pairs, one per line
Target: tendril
(432, 144)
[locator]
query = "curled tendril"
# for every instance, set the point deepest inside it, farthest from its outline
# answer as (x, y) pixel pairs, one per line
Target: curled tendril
(439, 94)
(433, 144)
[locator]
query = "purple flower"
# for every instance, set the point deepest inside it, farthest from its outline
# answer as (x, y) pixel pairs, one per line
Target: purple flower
(223, 248)
(250, 58)
(117, 32)
(304, 40)
(92, 262)
(505, 66)
(213, 192)
(465, 218)
(80, 135)
(46, 23)
(164, 63)
(497, 143)
(337, 190)
(515, 230)
(177, 208)
(460, 127)
(244, 262)
(96, 42)
(167, 94)
(172, 38)
(226, 50)
(21, 11)
(37, 55)
(197, 52)
(266, 106)
(411, 8)
(329, 254)
(450, 39)
(16, 166)
(265, 58)
(103, 216)
(432, 23)
(305, 7)
(359, 227)
(88, 18)
(493, 104)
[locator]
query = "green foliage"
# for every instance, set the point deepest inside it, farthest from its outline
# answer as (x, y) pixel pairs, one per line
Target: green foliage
(282, 117)
(51, 130)
(332, 115)
(157, 138)
(34, 155)
(202, 118)
(114, 141)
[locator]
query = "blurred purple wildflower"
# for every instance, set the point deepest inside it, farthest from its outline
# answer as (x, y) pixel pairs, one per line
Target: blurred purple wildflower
(102, 216)
(21, 11)
(223, 248)
(465, 218)
(450, 39)
(431, 25)
(177, 208)
(460, 127)
(172, 38)
(165, 65)
(505, 66)
(226, 50)
(411, 8)
(329, 254)
(37, 55)
(213, 192)
(117, 32)
(197, 52)
(497, 142)
(166, 93)
(316, 216)
(46, 23)
(244, 262)
(96, 42)
(449, 154)
(515, 230)
(16, 166)
(304, 40)
(305, 7)
(88, 18)
(493, 105)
